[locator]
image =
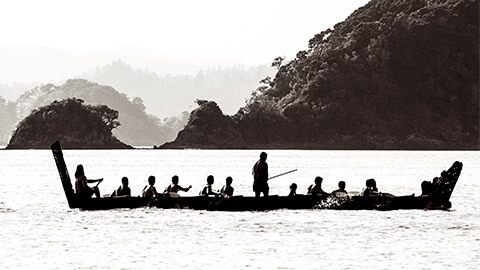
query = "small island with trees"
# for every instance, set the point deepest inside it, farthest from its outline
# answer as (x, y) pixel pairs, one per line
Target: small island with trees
(76, 125)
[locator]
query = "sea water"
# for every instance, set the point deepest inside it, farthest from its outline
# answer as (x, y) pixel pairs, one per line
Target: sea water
(38, 230)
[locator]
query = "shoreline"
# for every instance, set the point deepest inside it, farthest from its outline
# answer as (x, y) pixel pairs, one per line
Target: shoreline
(3, 148)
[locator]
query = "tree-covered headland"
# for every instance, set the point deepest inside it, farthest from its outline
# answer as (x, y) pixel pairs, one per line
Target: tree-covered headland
(396, 74)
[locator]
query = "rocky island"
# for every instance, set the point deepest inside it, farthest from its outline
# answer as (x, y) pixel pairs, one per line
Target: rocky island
(208, 127)
(74, 124)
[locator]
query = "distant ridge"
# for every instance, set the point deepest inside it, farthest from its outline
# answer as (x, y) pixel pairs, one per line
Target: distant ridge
(137, 127)
(167, 95)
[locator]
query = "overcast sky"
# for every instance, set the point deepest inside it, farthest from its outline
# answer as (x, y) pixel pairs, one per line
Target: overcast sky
(211, 32)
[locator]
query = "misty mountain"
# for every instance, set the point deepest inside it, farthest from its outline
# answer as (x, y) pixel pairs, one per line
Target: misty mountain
(137, 127)
(13, 91)
(8, 119)
(166, 95)
(27, 64)
(396, 74)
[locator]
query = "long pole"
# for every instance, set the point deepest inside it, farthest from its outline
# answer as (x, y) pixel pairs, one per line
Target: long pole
(281, 174)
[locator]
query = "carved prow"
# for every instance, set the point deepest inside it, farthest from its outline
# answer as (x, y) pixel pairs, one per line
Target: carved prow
(444, 185)
(64, 176)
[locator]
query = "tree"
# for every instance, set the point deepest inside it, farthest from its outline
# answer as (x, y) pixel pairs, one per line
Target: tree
(108, 116)
(137, 101)
(277, 62)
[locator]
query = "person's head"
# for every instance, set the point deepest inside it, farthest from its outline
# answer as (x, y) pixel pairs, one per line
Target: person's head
(175, 180)
(151, 180)
(125, 181)
(79, 172)
(318, 180)
(263, 156)
(371, 183)
(210, 180)
(341, 185)
(293, 186)
(229, 181)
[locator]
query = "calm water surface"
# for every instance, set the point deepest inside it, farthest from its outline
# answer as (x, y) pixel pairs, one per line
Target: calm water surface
(38, 230)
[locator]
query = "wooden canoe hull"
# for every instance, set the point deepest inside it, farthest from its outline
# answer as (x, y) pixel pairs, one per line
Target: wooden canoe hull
(110, 203)
(240, 203)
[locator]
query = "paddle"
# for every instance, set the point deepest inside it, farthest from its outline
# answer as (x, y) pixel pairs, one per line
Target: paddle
(99, 181)
(278, 175)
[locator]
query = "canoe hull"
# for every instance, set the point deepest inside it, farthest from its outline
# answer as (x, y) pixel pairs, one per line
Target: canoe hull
(237, 203)
(240, 203)
(109, 203)
(395, 203)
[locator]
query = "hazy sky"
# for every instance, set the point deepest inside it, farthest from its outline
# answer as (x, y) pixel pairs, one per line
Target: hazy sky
(211, 32)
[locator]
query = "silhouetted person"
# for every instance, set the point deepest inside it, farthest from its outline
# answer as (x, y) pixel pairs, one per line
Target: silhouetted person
(340, 192)
(227, 190)
(293, 190)
(123, 190)
(444, 175)
(260, 176)
(371, 189)
(316, 190)
(175, 187)
(81, 184)
(427, 187)
(150, 191)
(207, 190)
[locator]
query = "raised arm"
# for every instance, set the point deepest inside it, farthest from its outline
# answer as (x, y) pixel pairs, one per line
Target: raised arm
(211, 192)
(184, 189)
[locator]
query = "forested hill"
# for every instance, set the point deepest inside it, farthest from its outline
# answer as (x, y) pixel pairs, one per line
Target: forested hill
(396, 74)
(136, 126)
(71, 122)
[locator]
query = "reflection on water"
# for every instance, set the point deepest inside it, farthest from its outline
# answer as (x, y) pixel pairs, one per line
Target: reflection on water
(39, 231)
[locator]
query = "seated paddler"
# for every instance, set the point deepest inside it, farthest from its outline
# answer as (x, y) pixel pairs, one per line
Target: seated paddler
(371, 188)
(340, 192)
(227, 190)
(208, 189)
(123, 190)
(316, 190)
(293, 190)
(150, 191)
(82, 189)
(175, 187)
(427, 187)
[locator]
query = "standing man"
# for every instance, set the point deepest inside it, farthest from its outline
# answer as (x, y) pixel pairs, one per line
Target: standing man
(260, 176)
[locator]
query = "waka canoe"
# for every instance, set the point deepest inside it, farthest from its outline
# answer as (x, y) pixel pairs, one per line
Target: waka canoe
(439, 199)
